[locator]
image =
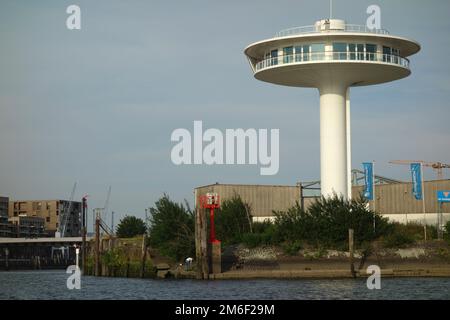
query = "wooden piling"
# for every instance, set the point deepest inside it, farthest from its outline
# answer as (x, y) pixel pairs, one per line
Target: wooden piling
(97, 248)
(83, 251)
(351, 251)
(6, 258)
(143, 254)
(204, 244)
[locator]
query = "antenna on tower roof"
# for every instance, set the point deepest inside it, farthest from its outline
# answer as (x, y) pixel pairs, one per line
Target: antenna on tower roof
(331, 9)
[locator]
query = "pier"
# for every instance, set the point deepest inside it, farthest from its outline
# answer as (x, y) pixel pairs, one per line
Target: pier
(38, 253)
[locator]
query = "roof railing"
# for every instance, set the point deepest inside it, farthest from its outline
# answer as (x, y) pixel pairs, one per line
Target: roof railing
(313, 29)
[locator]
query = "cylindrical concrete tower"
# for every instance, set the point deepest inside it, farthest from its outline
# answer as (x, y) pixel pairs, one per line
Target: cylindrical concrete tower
(332, 56)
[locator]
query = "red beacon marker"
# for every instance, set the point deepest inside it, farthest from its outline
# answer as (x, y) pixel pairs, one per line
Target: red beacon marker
(211, 201)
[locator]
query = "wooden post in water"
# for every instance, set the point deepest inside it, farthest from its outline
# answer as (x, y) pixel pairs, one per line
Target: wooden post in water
(97, 247)
(204, 244)
(143, 254)
(83, 234)
(6, 259)
(351, 251)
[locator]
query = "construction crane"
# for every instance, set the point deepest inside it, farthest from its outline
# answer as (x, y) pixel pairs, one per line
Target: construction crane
(437, 166)
(64, 216)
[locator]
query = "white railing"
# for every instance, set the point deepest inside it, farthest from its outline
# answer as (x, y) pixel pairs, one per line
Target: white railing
(332, 56)
(314, 29)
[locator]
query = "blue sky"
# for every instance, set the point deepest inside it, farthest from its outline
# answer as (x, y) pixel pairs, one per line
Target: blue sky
(98, 105)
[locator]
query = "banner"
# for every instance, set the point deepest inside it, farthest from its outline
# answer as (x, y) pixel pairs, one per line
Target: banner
(443, 196)
(416, 173)
(368, 179)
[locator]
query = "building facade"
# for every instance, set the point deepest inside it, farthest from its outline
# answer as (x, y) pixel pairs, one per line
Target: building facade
(5, 227)
(52, 211)
(4, 203)
(262, 199)
(27, 227)
(394, 201)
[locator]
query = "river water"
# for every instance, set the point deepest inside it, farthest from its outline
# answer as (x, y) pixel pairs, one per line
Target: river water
(52, 285)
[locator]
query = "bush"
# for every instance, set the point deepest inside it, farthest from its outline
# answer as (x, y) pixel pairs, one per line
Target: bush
(327, 221)
(292, 247)
(447, 231)
(401, 235)
(232, 220)
(172, 229)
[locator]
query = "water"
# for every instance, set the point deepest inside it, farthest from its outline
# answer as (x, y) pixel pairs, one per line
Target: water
(52, 285)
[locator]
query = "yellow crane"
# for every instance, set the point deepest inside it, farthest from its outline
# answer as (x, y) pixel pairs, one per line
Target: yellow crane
(437, 166)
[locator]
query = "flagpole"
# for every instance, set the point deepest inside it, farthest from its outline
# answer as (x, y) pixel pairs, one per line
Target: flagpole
(423, 204)
(374, 194)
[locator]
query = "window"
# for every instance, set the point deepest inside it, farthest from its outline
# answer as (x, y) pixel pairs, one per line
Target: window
(352, 50)
(306, 52)
(287, 54)
(360, 50)
(387, 54)
(396, 54)
(274, 57)
(298, 53)
(371, 51)
(339, 51)
(47, 219)
(317, 51)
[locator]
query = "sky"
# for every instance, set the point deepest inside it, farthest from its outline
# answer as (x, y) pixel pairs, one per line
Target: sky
(97, 106)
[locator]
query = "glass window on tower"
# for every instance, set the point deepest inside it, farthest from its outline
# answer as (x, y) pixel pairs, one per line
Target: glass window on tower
(306, 52)
(298, 53)
(274, 57)
(371, 51)
(352, 51)
(317, 51)
(395, 55)
(360, 50)
(339, 51)
(387, 54)
(288, 54)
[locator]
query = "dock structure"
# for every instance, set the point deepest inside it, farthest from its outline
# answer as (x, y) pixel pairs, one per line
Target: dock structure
(38, 253)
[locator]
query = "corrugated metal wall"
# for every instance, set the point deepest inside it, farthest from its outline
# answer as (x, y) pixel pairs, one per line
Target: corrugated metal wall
(391, 198)
(398, 198)
(261, 198)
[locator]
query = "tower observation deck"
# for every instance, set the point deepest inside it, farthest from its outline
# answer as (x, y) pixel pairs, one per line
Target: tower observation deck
(332, 56)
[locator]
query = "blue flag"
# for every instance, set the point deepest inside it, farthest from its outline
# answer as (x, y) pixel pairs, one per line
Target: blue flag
(368, 179)
(416, 173)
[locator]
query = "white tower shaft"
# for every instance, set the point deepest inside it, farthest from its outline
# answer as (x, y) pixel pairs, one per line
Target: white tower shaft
(349, 145)
(333, 140)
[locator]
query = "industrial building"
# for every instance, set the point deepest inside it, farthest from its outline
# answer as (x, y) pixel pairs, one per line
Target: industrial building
(50, 211)
(393, 200)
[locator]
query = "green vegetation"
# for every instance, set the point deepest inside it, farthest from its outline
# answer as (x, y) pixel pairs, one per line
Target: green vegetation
(172, 229)
(323, 225)
(447, 231)
(130, 226)
(327, 221)
(232, 220)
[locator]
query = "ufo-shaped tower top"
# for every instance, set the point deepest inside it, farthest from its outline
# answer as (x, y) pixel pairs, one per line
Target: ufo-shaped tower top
(308, 56)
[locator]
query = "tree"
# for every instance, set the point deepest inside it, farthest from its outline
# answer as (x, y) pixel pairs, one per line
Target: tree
(172, 229)
(130, 226)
